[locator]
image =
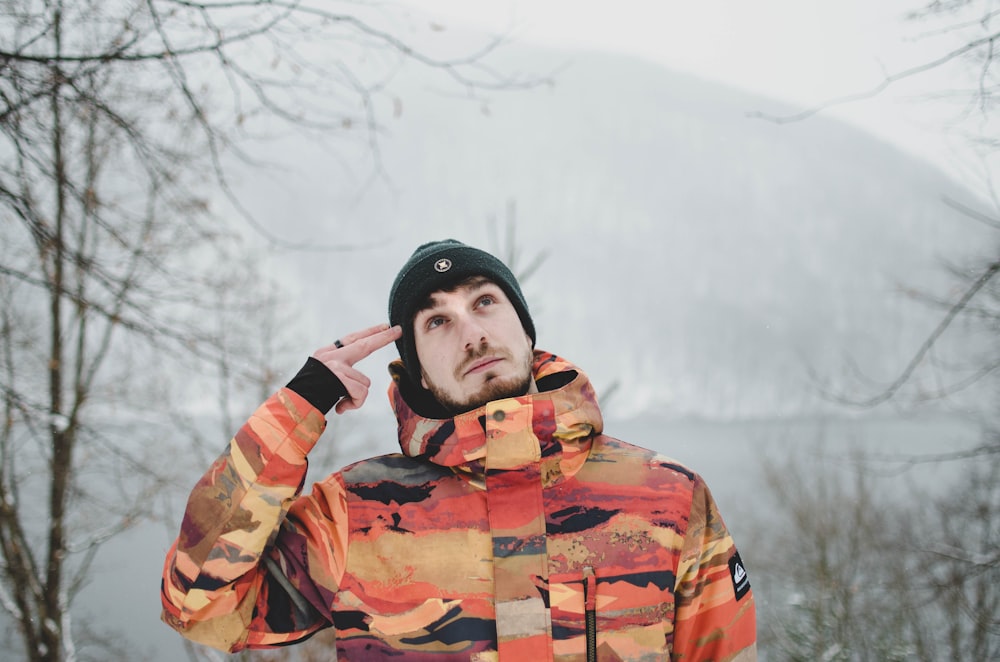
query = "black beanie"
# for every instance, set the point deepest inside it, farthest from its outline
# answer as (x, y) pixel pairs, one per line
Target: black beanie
(439, 265)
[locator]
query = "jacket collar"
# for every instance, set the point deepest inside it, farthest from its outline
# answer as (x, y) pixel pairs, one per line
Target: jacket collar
(559, 421)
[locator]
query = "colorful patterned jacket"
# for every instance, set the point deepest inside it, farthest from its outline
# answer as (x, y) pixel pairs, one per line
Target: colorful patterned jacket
(516, 531)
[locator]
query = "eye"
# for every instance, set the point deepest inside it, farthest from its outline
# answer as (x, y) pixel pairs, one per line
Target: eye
(486, 300)
(433, 322)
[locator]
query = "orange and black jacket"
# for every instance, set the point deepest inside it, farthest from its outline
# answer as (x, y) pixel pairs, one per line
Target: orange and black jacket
(513, 532)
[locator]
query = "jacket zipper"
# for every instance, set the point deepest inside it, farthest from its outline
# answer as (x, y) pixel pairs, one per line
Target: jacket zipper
(590, 611)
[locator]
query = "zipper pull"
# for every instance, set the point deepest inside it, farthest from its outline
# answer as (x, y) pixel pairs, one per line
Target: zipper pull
(589, 589)
(590, 611)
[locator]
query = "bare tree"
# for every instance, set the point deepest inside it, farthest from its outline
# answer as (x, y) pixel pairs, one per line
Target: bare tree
(510, 250)
(823, 567)
(850, 568)
(117, 120)
(963, 36)
(944, 569)
(957, 565)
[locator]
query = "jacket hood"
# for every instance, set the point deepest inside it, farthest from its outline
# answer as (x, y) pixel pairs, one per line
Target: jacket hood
(560, 420)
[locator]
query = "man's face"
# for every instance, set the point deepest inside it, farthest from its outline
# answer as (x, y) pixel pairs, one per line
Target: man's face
(472, 347)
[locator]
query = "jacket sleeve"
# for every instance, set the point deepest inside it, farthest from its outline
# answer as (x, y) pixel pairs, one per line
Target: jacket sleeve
(715, 615)
(256, 564)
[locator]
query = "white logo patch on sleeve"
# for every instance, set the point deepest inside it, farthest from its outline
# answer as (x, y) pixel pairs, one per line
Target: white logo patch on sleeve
(741, 581)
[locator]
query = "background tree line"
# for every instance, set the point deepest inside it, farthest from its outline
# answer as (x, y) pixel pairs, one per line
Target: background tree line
(856, 570)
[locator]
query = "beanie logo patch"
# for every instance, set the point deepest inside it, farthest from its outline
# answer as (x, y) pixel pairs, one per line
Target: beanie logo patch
(442, 265)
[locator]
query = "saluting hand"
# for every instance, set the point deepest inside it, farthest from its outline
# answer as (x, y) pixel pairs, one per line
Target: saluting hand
(341, 356)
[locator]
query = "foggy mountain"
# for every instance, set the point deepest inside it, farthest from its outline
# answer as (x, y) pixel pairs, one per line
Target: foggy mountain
(700, 257)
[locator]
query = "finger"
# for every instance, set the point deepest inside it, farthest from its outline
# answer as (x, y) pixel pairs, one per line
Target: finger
(356, 384)
(358, 335)
(363, 342)
(325, 354)
(370, 340)
(355, 400)
(363, 347)
(345, 405)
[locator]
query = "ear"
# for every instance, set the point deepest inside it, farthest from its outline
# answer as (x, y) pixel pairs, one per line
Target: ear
(423, 380)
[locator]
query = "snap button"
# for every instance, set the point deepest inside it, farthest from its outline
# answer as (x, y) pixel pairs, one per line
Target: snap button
(499, 415)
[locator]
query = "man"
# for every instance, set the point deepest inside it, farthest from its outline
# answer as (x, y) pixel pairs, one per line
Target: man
(509, 528)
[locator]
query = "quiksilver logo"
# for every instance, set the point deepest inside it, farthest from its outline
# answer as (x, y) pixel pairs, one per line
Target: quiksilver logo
(442, 265)
(738, 572)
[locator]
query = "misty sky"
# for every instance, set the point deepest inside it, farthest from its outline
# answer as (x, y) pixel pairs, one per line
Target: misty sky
(800, 52)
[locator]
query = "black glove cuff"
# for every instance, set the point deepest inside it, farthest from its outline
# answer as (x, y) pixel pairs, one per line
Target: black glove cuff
(317, 384)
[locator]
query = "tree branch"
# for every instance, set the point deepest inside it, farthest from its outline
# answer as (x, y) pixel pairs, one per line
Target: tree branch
(929, 342)
(888, 81)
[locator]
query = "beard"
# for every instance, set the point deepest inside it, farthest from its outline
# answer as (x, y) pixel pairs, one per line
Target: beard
(493, 388)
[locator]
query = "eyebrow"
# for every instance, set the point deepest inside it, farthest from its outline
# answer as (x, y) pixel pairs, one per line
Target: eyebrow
(472, 283)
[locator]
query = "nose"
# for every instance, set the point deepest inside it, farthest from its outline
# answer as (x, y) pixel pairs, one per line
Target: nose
(473, 334)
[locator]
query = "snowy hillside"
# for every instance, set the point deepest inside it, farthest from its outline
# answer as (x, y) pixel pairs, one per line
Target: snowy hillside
(700, 257)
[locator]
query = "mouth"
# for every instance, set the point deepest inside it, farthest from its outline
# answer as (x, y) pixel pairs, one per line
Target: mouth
(483, 365)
